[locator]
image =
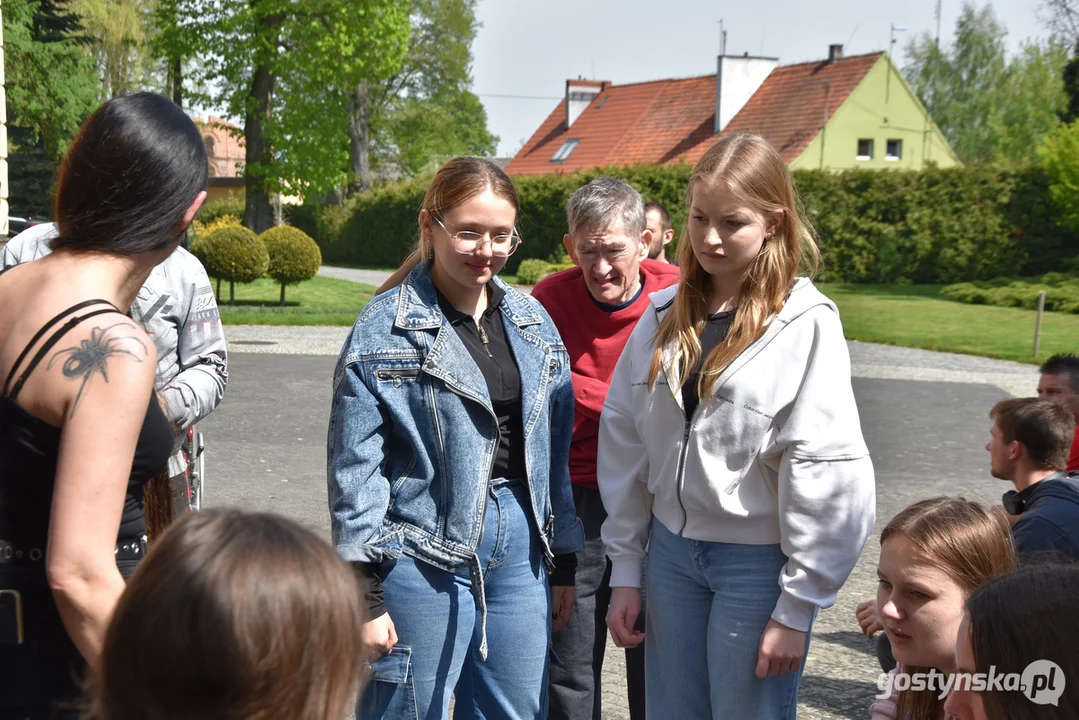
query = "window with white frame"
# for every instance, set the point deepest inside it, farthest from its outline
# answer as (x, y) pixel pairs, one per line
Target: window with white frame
(894, 151)
(865, 148)
(565, 150)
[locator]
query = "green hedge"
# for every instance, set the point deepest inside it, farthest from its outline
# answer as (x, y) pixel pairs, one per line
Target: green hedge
(219, 208)
(1061, 292)
(933, 226)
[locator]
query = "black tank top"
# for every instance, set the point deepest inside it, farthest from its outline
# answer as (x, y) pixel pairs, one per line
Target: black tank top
(29, 449)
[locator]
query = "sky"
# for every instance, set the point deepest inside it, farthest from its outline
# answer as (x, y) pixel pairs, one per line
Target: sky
(529, 48)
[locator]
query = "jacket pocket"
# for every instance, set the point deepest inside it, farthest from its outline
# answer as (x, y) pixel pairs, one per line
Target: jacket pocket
(397, 376)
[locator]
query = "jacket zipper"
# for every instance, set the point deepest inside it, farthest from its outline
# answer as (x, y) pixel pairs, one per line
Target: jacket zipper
(487, 490)
(680, 475)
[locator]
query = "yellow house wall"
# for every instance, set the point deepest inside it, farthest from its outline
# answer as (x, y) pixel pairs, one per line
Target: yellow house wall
(882, 108)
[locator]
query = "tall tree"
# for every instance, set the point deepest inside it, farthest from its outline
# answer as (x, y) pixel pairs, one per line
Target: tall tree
(1061, 17)
(1035, 99)
(426, 111)
(1071, 88)
(51, 88)
(117, 35)
(51, 83)
(989, 109)
(286, 67)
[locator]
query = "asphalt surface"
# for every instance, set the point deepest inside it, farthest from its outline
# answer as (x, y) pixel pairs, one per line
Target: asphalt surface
(266, 451)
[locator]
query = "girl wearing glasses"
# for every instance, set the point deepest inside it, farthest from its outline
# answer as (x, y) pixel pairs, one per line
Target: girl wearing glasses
(448, 473)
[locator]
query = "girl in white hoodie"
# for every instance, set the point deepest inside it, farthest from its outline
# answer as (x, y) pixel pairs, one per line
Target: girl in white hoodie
(731, 452)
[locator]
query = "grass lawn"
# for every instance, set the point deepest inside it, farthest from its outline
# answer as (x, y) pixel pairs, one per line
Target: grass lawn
(318, 301)
(916, 316)
(907, 315)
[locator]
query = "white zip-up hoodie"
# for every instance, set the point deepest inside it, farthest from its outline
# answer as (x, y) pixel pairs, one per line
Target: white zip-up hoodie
(776, 455)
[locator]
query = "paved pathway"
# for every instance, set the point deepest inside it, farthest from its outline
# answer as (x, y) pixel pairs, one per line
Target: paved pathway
(883, 362)
(368, 277)
(924, 415)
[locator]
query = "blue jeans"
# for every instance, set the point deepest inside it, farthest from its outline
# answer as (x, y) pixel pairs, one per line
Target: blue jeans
(439, 624)
(708, 603)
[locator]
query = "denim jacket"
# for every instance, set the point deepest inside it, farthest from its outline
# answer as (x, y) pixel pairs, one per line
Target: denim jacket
(412, 435)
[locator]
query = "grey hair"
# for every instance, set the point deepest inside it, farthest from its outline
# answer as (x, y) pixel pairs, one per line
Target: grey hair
(603, 203)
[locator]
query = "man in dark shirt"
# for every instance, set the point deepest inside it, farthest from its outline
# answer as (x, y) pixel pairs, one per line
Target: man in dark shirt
(1029, 447)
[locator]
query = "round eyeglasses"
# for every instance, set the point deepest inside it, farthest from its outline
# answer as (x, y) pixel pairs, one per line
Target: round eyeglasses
(467, 242)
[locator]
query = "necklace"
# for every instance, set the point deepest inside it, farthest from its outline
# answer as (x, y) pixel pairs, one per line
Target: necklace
(479, 326)
(483, 337)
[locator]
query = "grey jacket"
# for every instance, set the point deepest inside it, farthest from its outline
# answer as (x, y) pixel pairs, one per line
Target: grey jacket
(176, 307)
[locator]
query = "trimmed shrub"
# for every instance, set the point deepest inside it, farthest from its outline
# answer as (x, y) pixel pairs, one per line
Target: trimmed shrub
(530, 271)
(1061, 292)
(294, 256)
(233, 253)
(200, 230)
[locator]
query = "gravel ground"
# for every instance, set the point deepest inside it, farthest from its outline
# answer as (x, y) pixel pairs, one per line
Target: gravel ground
(883, 362)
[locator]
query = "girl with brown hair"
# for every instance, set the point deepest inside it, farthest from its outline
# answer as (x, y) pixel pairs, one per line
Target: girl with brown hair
(730, 451)
(933, 555)
(1011, 623)
(233, 615)
(449, 479)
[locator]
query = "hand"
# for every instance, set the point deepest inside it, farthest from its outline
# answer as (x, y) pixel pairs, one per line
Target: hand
(561, 606)
(868, 619)
(622, 616)
(379, 635)
(781, 650)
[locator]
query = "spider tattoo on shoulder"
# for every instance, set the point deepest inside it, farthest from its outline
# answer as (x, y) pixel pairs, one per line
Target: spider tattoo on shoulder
(91, 356)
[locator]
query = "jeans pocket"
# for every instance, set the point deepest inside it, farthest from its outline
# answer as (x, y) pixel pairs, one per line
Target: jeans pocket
(391, 693)
(553, 659)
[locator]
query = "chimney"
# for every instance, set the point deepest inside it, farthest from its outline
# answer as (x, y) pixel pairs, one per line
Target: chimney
(737, 79)
(835, 52)
(579, 95)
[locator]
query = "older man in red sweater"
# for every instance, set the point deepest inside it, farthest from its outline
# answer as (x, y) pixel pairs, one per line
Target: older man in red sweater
(595, 307)
(1060, 381)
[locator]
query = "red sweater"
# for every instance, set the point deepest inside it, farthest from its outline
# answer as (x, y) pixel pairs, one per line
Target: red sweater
(594, 339)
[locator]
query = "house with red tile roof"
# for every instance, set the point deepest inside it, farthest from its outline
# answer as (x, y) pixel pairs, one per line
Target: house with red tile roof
(224, 142)
(841, 112)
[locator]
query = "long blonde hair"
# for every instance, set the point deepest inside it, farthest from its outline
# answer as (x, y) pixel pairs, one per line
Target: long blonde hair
(757, 175)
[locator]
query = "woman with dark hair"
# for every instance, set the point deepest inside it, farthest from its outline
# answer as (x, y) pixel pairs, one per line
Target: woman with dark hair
(233, 615)
(80, 428)
(449, 479)
(1021, 623)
